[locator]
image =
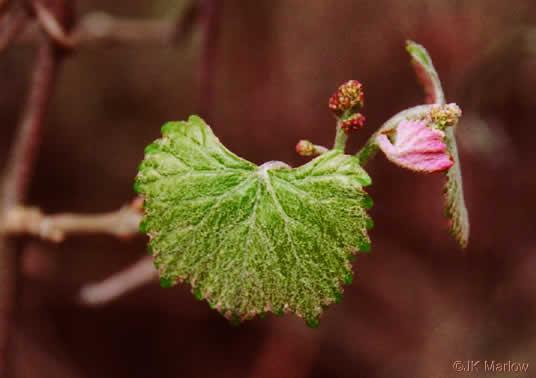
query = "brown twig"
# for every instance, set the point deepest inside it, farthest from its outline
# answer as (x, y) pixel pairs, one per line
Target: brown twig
(15, 183)
(141, 273)
(24, 151)
(28, 220)
(11, 23)
(95, 27)
(103, 28)
(52, 25)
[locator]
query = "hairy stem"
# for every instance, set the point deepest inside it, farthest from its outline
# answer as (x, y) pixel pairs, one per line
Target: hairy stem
(319, 150)
(369, 150)
(341, 136)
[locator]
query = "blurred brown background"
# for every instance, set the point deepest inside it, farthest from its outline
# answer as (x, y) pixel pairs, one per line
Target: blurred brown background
(417, 303)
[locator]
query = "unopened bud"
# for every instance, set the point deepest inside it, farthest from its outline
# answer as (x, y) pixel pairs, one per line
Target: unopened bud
(305, 148)
(349, 97)
(354, 122)
(444, 116)
(345, 104)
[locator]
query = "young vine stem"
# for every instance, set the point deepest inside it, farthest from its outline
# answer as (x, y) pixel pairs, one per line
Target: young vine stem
(341, 136)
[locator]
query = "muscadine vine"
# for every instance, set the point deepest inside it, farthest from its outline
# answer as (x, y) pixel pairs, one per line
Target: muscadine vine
(254, 239)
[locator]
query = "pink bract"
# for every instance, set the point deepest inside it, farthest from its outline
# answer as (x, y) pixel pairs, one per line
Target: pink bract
(417, 147)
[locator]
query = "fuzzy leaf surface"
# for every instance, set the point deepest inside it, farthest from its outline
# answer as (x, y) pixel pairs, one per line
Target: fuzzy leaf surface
(417, 147)
(426, 73)
(455, 208)
(251, 239)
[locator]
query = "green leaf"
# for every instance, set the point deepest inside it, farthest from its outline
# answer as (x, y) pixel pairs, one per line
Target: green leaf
(426, 73)
(252, 239)
(455, 208)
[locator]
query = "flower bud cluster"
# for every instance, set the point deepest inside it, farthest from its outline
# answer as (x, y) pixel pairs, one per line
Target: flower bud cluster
(348, 96)
(345, 104)
(441, 117)
(354, 122)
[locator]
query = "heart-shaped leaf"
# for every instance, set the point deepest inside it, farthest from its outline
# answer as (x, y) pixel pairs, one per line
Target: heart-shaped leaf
(251, 239)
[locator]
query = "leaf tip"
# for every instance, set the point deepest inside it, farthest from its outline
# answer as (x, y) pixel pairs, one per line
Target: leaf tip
(365, 247)
(143, 226)
(137, 187)
(198, 294)
(418, 52)
(313, 323)
(165, 282)
(195, 119)
(151, 148)
(367, 202)
(166, 128)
